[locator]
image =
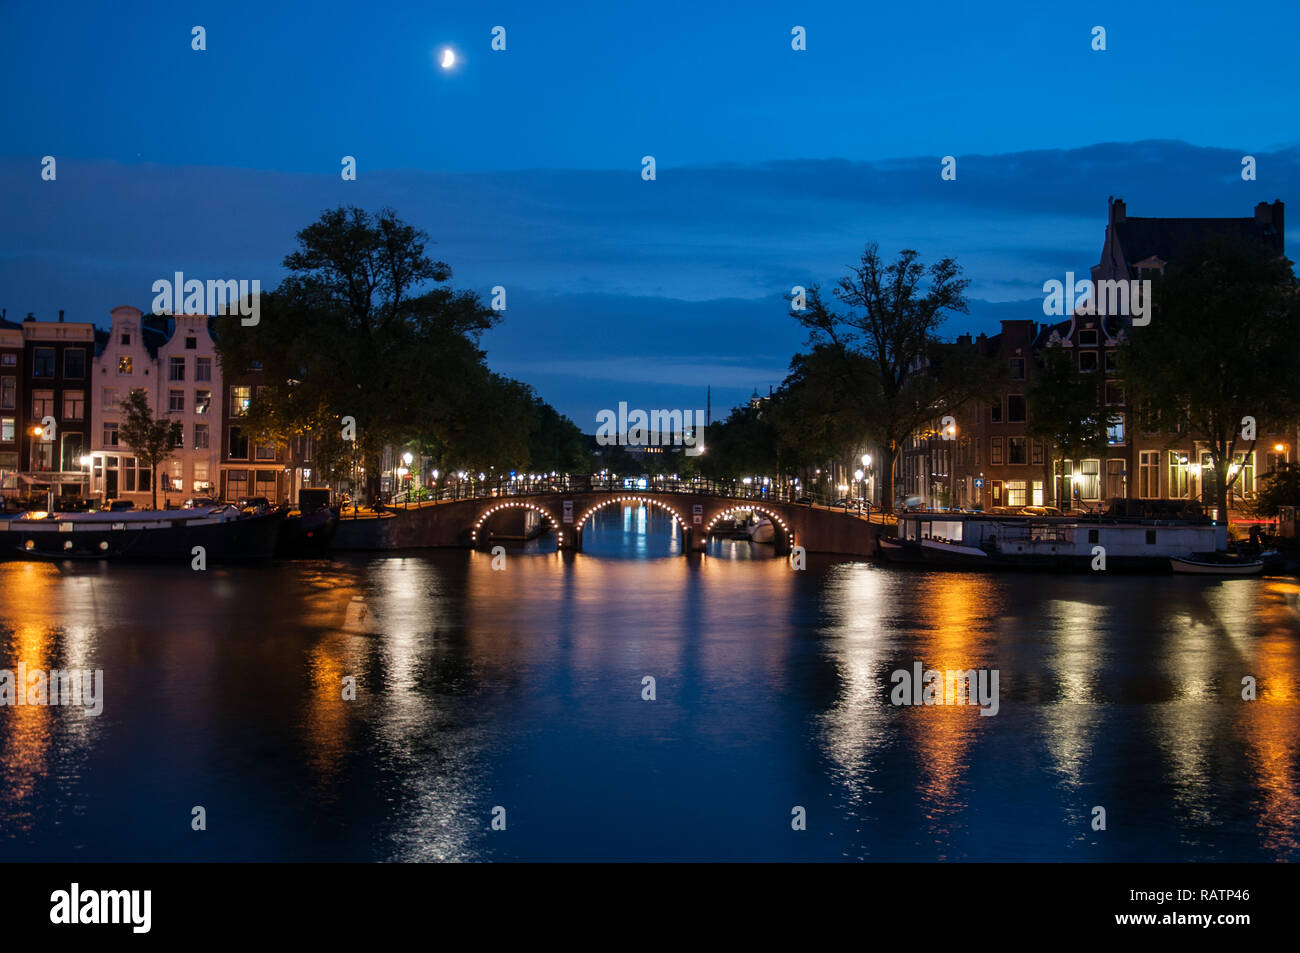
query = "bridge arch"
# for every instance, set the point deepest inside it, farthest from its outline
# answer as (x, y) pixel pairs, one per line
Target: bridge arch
(516, 505)
(628, 498)
(785, 535)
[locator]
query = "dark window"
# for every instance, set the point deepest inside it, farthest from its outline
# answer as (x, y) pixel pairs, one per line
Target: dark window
(996, 411)
(191, 344)
(1015, 408)
(1016, 450)
(238, 445)
(74, 363)
(1017, 368)
(995, 454)
(1087, 360)
(126, 340)
(43, 362)
(1087, 338)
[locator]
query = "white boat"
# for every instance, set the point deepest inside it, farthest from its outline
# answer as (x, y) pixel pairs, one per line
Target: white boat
(1114, 541)
(1216, 565)
(762, 530)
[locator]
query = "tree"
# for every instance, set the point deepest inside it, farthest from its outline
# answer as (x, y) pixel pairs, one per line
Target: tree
(356, 331)
(152, 441)
(1065, 410)
(1281, 488)
(888, 350)
(1221, 347)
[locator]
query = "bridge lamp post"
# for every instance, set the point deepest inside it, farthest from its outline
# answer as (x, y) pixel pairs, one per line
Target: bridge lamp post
(857, 476)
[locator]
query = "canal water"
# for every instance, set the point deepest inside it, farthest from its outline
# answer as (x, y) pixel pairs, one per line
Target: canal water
(518, 693)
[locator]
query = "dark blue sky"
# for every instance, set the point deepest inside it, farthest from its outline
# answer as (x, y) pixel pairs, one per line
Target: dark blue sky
(775, 166)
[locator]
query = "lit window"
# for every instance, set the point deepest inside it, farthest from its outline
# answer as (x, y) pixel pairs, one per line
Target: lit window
(1115, 431)
(74, 405)
(124, 365)
(1017, 493)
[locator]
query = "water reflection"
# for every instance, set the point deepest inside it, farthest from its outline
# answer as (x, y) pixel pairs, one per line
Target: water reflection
(524, 688)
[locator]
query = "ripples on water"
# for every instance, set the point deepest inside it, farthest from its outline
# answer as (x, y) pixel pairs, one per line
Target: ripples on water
(522, 689)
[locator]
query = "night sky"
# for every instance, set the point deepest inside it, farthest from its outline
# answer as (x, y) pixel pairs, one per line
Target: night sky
(774, 166)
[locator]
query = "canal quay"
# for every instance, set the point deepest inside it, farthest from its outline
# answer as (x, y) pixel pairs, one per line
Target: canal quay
(621, 702)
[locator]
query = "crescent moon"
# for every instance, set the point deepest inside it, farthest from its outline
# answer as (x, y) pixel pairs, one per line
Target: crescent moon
(448, 59)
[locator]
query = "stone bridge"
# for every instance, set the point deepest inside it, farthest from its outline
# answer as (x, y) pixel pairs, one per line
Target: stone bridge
(470, 522)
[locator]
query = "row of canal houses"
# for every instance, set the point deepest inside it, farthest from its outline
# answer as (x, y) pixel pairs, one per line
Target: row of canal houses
(76, 374)
(993, 460)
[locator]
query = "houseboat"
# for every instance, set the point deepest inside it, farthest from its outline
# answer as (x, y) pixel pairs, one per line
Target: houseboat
(1133, 536)
(223, 532)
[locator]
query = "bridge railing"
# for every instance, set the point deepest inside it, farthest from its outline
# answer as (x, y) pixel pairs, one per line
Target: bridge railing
(471, 489)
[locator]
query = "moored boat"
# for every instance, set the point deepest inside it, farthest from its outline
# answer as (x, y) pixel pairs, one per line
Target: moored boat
(1216, 564)
(761, 530)
(162, 535)
(1111, 541)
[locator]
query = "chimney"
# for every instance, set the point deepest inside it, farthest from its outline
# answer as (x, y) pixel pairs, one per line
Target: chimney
(60, 316)
(1118, 210)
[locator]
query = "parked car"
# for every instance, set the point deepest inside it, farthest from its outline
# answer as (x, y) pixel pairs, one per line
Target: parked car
(199, 502)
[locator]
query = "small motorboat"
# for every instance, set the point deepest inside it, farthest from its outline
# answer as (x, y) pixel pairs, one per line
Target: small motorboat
(762, 530)
(1216, 564)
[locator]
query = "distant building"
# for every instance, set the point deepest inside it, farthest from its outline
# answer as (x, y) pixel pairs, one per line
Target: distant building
(189, 382)
(126, 360)
(11, 398)
(55, 372)
(173, 359)
(997, 464)
(248, 468)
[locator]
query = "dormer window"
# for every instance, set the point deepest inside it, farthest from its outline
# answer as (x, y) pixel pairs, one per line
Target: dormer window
(125, 339)
(1087, 338)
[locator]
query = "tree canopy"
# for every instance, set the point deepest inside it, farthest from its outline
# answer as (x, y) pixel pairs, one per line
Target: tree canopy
(365, 327)
(884, 349)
